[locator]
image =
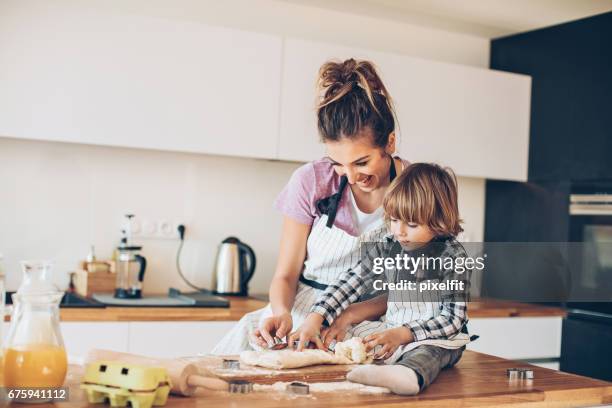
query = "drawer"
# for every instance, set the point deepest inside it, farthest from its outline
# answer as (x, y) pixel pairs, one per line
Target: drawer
(80, 337)
(517, 337)
(175, 339)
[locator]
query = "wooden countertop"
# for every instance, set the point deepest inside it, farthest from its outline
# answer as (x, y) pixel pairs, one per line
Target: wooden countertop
(478, 380)
(239, 306)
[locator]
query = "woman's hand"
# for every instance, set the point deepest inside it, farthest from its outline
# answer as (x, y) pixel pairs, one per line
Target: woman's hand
(308, 332)
(390, 340)
(337, 331)
(284, 284)
(275, 326)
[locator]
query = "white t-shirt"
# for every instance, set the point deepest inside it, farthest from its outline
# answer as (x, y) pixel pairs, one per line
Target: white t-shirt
(365, 221)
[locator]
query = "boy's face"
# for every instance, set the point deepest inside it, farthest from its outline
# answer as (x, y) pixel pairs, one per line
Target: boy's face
(410, 235)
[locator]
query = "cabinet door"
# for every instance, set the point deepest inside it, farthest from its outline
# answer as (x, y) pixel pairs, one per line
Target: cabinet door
(176, 339)
(81, 337)
(517, 337)
(96, 78)
(471, 119)
(299, 138)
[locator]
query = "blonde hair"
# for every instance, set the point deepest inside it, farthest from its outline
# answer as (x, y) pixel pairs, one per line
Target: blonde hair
(353, 97)
(426, 194)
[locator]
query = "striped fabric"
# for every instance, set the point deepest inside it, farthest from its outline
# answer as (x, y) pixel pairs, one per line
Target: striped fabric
(429, 315)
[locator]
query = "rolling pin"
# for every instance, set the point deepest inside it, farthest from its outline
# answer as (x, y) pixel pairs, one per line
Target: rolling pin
(186, 377)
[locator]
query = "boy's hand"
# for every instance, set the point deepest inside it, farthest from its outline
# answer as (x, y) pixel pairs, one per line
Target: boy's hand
(274, 326)
(390, 340)
(337, 331)
(308, 332)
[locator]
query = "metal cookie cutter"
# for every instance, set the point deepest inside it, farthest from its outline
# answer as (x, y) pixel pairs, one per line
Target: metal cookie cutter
(526, 374)
(231, 364)
(280, 344)
(240, 387)
(298, 388)
(512, 373)
(519, 374)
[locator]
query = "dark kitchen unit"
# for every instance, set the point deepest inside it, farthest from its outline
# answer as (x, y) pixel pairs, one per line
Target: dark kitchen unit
(566, 204)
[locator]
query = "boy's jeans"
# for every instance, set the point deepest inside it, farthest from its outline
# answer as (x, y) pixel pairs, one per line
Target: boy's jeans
(427, 361)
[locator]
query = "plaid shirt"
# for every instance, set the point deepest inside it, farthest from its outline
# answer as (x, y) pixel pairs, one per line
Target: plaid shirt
(357, 281)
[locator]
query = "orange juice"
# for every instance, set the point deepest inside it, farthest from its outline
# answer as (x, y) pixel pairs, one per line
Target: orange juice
(37, 365)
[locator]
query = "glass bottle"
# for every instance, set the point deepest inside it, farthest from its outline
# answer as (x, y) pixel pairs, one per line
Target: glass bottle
(34, 354)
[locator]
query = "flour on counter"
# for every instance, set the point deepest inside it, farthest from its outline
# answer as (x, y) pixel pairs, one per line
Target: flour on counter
(338, 386)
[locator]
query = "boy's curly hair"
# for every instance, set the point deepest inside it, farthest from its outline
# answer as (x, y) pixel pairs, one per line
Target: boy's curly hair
(425, 193)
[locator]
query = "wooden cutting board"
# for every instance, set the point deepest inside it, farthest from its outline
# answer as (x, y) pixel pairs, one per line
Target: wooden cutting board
(260, 375)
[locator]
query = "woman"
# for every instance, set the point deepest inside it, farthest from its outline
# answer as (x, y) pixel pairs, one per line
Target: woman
(329, 205)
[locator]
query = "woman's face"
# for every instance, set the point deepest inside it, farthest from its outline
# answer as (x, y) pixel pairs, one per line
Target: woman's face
(364, 164)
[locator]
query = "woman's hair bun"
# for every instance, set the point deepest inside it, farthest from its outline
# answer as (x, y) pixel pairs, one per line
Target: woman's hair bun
(336, 79)
(347, 71)
(351, 96)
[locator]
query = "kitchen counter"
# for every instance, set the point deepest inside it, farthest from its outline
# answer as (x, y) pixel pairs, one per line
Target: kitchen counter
(478, 380)
(239, 306)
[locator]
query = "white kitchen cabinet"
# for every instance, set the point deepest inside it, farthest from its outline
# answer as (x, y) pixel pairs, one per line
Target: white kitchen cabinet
(471, 119)
(176, 339)
(80, 337)
(517, 338)
(159, 339)
(78, 75)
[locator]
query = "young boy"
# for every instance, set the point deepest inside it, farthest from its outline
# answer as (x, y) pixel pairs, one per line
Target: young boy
(425, 330)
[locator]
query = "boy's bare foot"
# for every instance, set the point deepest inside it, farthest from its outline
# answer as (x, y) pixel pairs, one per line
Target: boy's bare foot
(398, 378)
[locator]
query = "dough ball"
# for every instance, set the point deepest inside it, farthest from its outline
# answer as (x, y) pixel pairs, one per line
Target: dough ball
(352, 349)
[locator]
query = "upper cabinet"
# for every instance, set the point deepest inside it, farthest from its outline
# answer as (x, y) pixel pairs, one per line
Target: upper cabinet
(471, 119)
(133, 81)
(138, 82)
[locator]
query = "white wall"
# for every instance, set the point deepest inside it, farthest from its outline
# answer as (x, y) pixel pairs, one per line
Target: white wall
(56, 199)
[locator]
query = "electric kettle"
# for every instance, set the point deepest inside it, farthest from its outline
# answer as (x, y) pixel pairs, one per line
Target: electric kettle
(234, 267)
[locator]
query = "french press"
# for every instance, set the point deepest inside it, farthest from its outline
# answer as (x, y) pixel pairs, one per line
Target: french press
(130, 272)
(130, 267)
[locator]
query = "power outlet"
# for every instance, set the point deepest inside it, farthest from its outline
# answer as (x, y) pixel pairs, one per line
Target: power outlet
(165, 229)
(147, 228)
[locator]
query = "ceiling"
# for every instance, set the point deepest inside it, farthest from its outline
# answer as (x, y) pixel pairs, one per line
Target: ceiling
(484, 18)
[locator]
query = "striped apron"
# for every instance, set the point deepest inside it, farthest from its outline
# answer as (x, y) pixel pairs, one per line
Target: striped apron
(330, 252)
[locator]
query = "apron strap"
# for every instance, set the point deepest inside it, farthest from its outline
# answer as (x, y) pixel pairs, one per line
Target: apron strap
(312, 283)
(392, 171)
(335, 202)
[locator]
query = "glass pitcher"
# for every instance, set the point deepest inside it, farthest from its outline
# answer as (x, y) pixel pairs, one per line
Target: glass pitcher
(34, 354)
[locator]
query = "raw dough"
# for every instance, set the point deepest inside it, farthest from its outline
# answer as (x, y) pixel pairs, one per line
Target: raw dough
(347, 352)
(353, 349)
